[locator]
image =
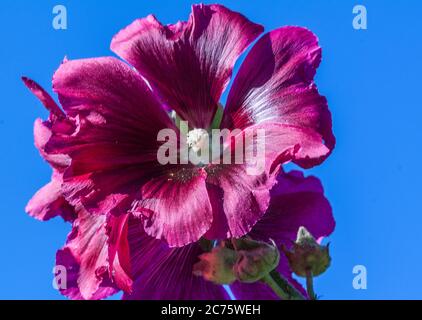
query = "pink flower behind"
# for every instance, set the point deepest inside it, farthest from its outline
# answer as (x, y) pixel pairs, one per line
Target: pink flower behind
(102, 141)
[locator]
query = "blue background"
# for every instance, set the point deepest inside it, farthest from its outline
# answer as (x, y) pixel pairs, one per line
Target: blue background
(370, 77)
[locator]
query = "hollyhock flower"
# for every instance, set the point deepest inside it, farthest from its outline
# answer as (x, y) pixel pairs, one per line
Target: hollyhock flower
(102, 144)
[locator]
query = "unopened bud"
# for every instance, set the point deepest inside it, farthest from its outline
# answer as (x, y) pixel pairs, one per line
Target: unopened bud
(307, 255)
(217, 266)
(255, 260)
(249, 262)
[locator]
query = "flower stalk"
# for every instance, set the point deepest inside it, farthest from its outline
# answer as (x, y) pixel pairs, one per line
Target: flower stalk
(281, 286)
(310, 285)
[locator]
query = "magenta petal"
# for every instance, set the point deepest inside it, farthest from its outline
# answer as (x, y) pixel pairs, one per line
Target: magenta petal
(296, 201)
(246, 197)
(49, 202)
(44, 97)
(176, 207)
(65, 258)
(44, 130)
(113, 147)
(118, 252)
(220, 228)
(96, 257)
(189, 63)
(284, 143)
(166, 273)
(85, 257)
(106, 89)
(275, 84)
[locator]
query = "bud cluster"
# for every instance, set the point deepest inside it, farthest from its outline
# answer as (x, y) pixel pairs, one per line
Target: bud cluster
(244, 260)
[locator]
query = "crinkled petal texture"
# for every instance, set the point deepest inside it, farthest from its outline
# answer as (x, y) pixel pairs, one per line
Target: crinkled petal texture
(94, 263)
(49, 201)
(188, 63)
(296, 201)
(275, 84)
(161, 272)
(176, 207)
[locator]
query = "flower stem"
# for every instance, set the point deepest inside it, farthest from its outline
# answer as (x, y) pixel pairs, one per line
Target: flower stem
(310, 285)
(281, 286)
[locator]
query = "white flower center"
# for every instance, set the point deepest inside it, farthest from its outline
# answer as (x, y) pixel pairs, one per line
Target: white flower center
(197, 139)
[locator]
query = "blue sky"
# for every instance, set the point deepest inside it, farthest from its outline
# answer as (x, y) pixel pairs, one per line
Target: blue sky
(370, 77)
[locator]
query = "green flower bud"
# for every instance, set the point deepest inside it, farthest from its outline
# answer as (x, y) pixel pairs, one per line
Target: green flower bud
(249, 261)
(307, 255)
(217, 266)
(255, 260)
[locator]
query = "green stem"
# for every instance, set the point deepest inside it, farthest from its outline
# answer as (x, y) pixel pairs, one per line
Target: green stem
(281, 286)
(310, 285)
(217, 117)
